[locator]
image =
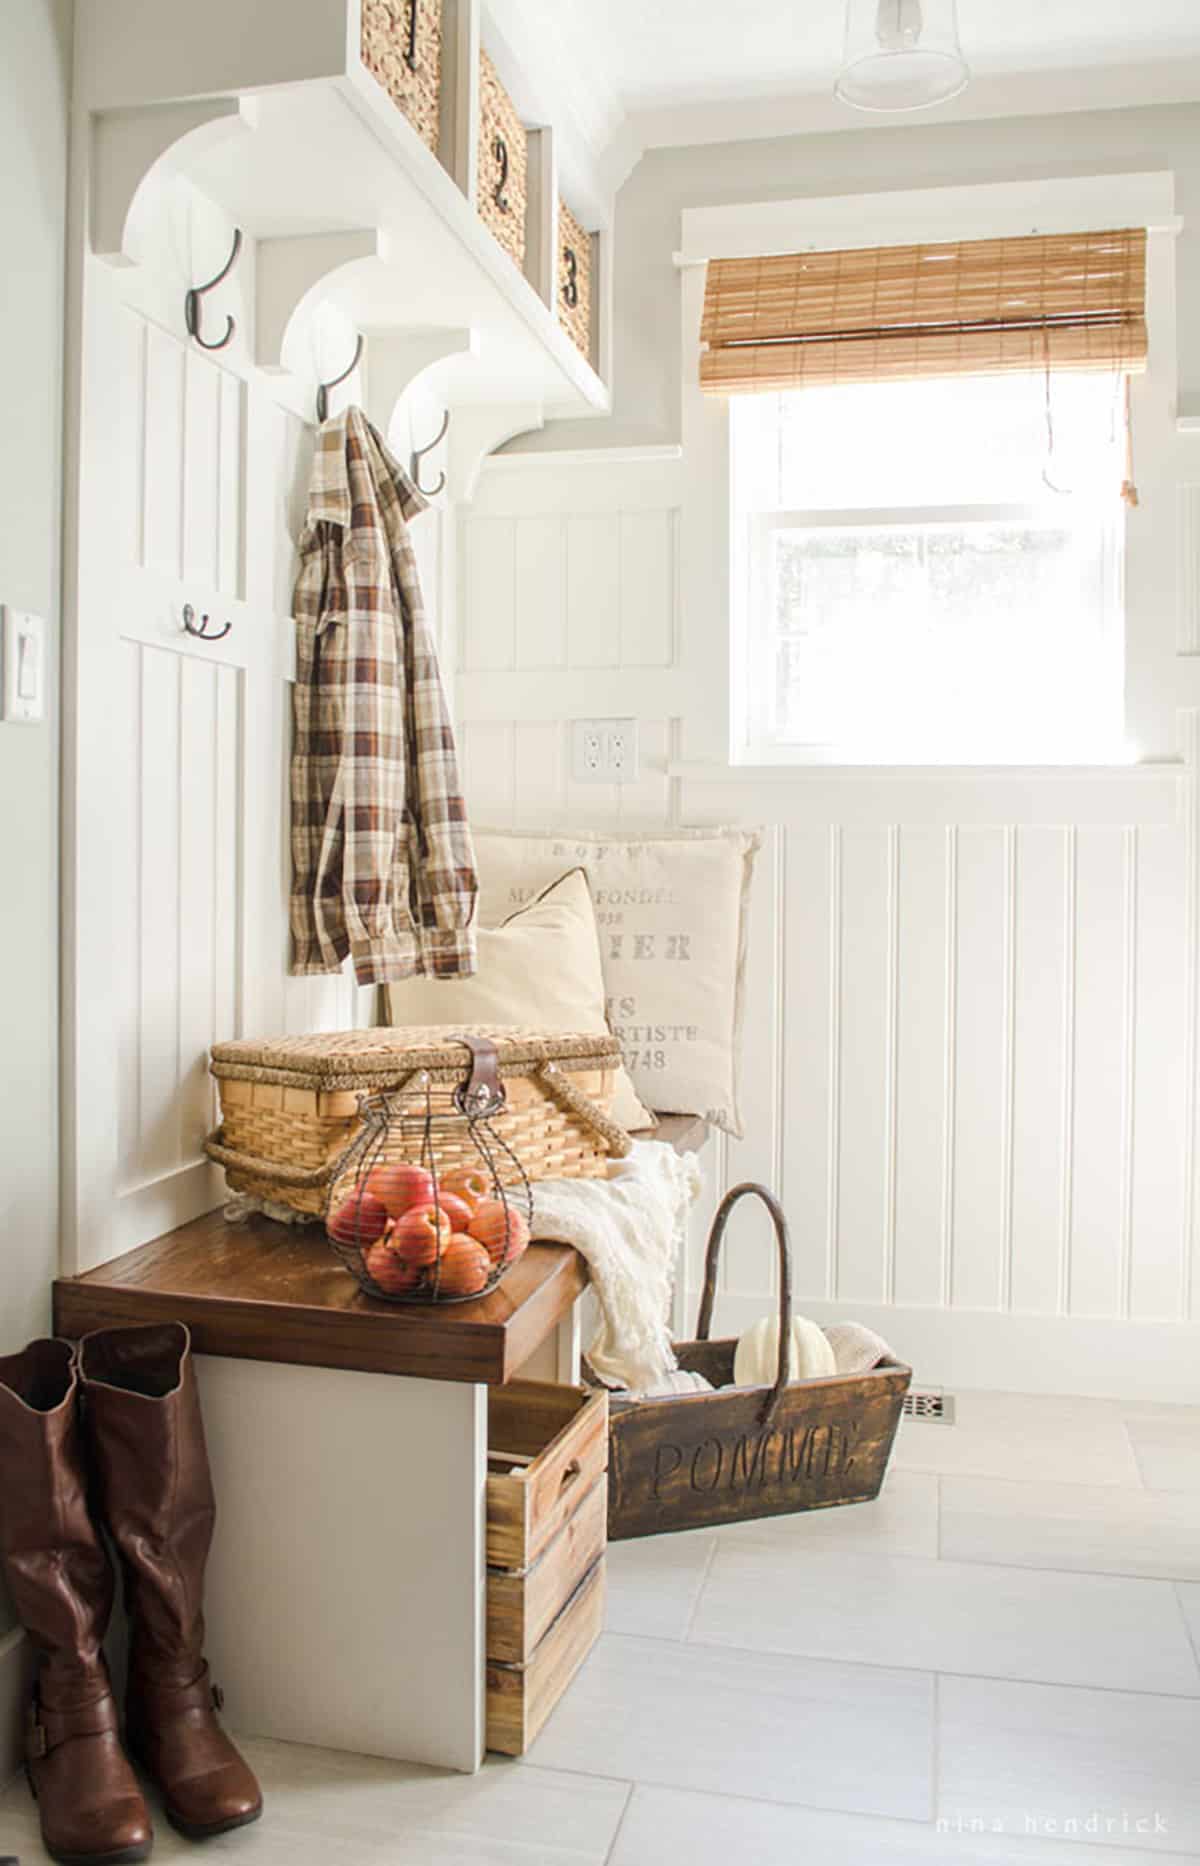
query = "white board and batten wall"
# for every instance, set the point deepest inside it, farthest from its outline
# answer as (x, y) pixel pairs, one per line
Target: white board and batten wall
(970, 1063)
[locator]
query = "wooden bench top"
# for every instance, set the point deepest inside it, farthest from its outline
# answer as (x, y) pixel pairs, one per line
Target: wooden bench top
(258, 1290)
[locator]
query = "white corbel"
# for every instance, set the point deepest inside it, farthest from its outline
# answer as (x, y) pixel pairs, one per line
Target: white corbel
(477, 431)
(132, 150)
(291, 274)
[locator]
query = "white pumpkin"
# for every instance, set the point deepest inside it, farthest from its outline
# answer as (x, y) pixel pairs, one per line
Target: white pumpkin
(756, 1360)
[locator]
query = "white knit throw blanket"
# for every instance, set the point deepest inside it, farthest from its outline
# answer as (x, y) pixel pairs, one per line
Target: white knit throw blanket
(631, 1229)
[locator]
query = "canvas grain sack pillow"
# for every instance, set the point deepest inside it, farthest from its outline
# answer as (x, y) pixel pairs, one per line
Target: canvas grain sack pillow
(671, 908)
(540, 969)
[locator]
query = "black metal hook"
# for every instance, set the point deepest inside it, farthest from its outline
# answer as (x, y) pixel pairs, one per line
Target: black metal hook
(192, 306)
(419, 453)
(323, 388)
(202, 633)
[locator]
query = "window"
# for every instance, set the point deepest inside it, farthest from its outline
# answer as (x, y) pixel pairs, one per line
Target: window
(930, 571)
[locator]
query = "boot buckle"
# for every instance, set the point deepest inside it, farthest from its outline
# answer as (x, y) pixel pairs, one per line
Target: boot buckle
(37, 1746)
(218, 1698)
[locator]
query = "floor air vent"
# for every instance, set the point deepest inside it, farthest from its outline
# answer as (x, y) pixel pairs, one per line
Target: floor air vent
(930, 1404)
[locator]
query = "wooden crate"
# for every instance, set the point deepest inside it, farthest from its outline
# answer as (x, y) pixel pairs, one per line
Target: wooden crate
(549, 1447)
(521, 1697)
(401, 46)
(503, 185)
(576, 285)
(547, 1508)
(523, 1604)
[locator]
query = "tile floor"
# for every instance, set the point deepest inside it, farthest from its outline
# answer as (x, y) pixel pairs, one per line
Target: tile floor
(997, 1664)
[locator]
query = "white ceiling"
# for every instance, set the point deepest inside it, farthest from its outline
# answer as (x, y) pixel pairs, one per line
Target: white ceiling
(698, 70)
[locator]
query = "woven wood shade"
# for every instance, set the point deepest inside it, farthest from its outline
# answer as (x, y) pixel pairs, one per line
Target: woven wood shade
(894, 313)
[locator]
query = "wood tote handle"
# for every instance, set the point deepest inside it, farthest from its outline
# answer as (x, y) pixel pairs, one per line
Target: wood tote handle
(715, 1238)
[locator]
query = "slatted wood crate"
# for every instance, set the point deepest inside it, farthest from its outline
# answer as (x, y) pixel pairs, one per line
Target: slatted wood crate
(547, 1504)
(402, 47)
(576, 285)
(503, 187)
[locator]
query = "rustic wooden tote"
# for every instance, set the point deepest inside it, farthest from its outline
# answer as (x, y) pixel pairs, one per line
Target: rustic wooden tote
(693, 1460)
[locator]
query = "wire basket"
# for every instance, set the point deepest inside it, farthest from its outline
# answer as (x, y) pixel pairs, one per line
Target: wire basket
(409, 1231)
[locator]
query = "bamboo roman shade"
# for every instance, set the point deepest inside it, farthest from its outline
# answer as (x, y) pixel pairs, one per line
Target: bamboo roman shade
(890, 313)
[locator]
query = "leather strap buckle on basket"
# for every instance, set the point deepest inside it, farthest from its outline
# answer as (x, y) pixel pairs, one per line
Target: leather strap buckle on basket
(482, 1094)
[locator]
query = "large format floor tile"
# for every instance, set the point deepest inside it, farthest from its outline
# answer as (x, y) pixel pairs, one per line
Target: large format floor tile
(324, 1808)
(1167, 1451)
(1097, 1529)
(1123, 1767)
(716, 1830)
(903, 1520)
(754, 1724)
(993, 1622)
(1018, 1435)
(654, 1581)
(1189, 1597)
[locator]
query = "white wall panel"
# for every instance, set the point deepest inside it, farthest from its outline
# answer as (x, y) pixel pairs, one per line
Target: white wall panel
(1156, 1206)
(1104, 926)
(866, 983)
(647, 594)
(982, 1039)
(539, 549)
(810, 905)
(1040, 1064)
(925, 969)
(594, 590)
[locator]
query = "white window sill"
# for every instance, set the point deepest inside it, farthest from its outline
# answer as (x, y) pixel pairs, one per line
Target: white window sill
(942, 796)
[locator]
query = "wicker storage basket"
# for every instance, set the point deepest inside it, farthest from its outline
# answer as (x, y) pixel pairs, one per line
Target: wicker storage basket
(695, 1460)
(503, 163)
(575, 280)
(290, 1106)
(402, 47)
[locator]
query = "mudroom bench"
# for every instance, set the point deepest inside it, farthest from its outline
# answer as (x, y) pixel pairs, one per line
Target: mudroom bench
(404, 1563)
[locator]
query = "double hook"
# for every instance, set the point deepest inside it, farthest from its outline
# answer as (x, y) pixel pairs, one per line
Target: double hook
(193, 302)
(419, 453)
(203, 632)
(323, 388)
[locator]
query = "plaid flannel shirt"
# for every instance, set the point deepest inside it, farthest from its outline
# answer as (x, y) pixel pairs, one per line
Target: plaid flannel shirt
(382, 863)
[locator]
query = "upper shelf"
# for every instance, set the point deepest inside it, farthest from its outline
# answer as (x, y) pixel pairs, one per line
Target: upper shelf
(270, 112)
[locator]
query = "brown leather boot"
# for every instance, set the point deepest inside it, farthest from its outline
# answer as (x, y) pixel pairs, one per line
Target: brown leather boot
(58, 1575)
(147, 1440)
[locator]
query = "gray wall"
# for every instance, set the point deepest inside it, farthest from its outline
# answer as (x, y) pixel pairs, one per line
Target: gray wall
(647, 348)
(35, 46)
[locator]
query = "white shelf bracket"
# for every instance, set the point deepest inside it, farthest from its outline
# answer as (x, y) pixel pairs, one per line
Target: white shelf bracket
(290, 276)
(398, 360)
(131, 149)
(477, 432)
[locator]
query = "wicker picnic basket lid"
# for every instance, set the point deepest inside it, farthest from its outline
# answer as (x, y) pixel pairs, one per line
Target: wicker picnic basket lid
(383, 1058)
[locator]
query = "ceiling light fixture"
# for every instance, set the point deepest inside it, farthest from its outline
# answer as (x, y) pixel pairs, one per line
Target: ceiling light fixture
(901, 55)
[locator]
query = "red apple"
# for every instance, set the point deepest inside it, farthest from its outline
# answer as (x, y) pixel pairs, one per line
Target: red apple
(420, 1235)
(456, 1209)
(360, 1219)
(501, 1229)
(400, 1187)
(464, 1268)
(469, 1183)
(395, 1275)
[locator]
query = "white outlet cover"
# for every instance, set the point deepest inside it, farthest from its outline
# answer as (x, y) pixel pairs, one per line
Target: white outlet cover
(604, 751)
(24, 637)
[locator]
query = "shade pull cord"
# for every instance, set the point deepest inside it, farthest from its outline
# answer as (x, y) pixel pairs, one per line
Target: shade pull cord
(1129, 491)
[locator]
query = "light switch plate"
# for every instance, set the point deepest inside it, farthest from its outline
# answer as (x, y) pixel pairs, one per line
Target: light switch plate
(604, 751)
(24, 637)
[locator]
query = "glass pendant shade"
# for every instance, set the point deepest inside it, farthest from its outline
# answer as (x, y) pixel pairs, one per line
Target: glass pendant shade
(901, 55)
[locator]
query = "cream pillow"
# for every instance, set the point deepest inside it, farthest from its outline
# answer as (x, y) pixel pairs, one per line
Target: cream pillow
(671, 908)
(540, 968)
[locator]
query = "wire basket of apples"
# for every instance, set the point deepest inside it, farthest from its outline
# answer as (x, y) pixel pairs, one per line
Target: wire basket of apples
(410, 1230)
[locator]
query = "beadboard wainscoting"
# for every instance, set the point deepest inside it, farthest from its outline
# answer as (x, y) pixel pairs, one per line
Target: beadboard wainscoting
(970, 1055)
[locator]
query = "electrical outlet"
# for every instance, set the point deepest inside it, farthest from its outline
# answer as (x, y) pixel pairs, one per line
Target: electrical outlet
(604, 751)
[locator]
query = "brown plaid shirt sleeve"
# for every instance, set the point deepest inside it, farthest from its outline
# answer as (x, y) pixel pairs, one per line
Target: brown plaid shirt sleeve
(383, 867)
